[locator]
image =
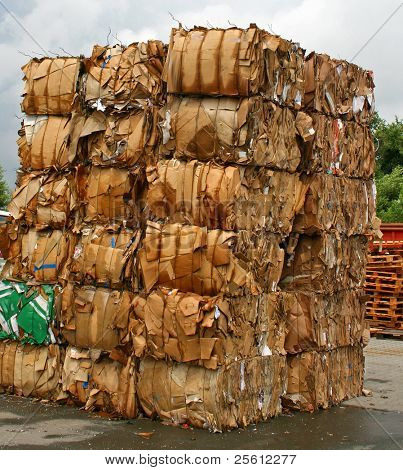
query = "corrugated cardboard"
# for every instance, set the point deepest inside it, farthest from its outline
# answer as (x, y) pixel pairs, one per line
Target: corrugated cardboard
(121, 78)
(321, 379)
(208, 331)
(208, 262)
(244, 392)
(338, 88)
(103, 255)
(99, 382)
(320, 322)
(228, 197)
(344, 205)
(240, 130)
(326, 263)
(50, 85)
(95, 317)
(29, 370)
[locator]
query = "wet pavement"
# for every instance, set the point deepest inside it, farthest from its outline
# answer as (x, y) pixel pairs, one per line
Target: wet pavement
(374, 422)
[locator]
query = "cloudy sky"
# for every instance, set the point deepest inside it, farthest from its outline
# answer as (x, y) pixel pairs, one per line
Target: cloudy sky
(338, 28)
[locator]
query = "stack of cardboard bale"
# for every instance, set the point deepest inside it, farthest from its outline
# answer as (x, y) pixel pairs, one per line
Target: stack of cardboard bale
(190, 253)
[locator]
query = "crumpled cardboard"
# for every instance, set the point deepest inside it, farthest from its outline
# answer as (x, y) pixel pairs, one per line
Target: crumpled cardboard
(343, 205)
(239, 130)
(121, 78)
(99, 382)
(335, 146)
(50, 85)
(229, 197)
(208, 262)
(234, 62)
(322, 322)
(27, 312)
(321, 379)
(325, 263)
(112, 195)
(338, 88)
(44, 200)
(95, 317)
(242, 393)
(104, 255)
(208, 331)
(30, 371)
(40, 256)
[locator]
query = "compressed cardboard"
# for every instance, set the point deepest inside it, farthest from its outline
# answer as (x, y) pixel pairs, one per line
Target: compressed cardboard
(321, 322)
(339, 204)
(242, 393)
(95, 317)
(229, 197)
(240, 130)
(338, 88)
(208, 262)
(99, 382)
(325, 263)
(50, 85)
(234, 62)
(103, 255)
(321, 379)
(208, 331)
(45, 200)
(30, 371)
(121, 78)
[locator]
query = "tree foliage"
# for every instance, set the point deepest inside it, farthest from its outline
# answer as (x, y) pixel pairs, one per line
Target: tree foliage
(4, 191)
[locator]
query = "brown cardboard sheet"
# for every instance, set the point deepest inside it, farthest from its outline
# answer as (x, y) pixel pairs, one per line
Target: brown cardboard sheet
(343, 205)
(95, 317)
(103, 255)
(338, 88)
(208, 262)
(99, 382)
(321, 379)
(45, 200)
(122, 78)
(240, 130)
(50, 85)
(325, 263)
(321, 322)
(207, 331)
(228, 197)
(30, 371)
(242, 393)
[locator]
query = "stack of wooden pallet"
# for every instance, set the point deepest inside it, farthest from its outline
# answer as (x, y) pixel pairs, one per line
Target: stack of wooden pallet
(384, 286)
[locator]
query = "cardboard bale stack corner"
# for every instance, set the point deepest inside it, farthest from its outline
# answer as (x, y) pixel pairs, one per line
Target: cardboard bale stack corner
(191, 223)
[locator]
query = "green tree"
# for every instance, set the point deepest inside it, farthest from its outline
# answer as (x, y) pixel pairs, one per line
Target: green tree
(388, 143)
(4, 191)
(390, 196)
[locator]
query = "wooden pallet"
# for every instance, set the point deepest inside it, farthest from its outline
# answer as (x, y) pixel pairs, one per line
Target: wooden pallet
(387, 333)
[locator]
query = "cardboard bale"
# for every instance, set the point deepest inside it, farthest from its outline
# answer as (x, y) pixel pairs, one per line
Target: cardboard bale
(40, 256)
(45, 200)
(208, 262)
(239, 130)
(234, 62)
(335, 146)
(30, 371)
(50, 85)
(121, 78)
(112, 195)
(322, 379)
(322, 322)
(338, 88)
(95, 317)
(227, 197)
(244, 392)
(207, 331)
(343, 205)
(103, 255)
(326, 263)
(99, 382)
